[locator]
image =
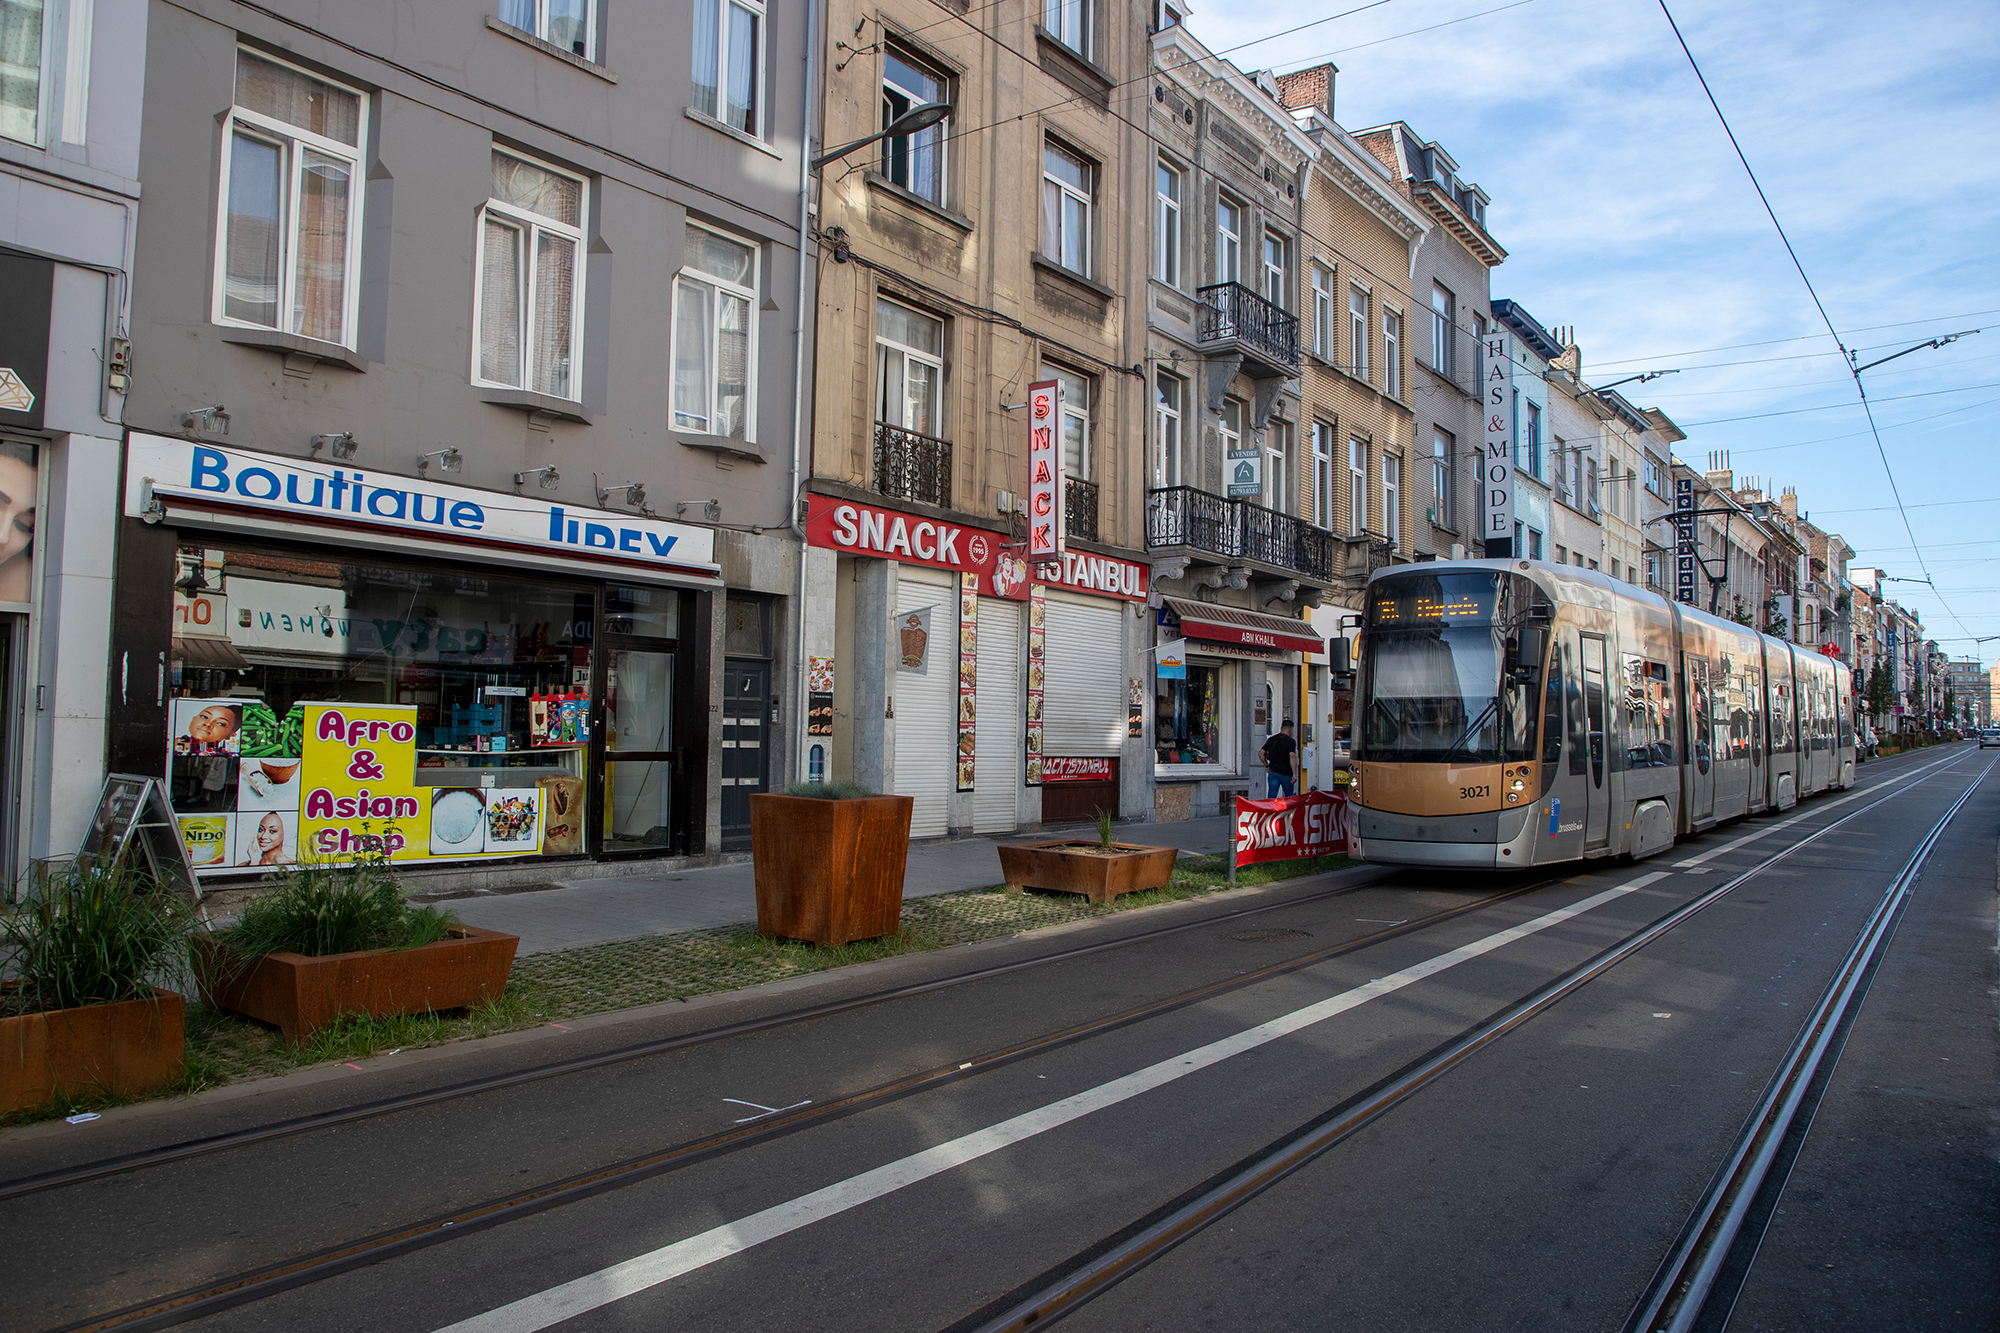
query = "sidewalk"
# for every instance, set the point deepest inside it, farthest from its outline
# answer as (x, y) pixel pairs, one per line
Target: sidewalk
(597, 911)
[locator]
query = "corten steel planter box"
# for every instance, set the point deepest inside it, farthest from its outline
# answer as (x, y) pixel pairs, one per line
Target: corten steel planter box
(300, 994)
(126, 1049)
(829, 871)
(1071, 866)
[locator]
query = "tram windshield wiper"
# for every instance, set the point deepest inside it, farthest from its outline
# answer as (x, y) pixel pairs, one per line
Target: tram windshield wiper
(1492, 706)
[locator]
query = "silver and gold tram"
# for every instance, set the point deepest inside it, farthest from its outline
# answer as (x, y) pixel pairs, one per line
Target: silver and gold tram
(1511, 713)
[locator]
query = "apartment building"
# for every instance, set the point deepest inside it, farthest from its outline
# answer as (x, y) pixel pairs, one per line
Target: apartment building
(1970, 704)
(1544, 495)
(463, 409)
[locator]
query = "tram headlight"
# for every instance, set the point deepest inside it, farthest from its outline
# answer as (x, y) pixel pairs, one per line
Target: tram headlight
(1517, 786)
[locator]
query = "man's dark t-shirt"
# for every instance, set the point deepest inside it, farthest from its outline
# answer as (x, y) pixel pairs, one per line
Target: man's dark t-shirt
(1278, 754)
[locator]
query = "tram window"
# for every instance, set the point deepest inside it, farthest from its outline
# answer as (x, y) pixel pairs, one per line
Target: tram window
(1698, 724)
(1579, 732)
(1552, 712)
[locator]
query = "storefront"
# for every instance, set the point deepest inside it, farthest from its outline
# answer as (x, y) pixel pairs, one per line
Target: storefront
(995, 674)
(355, 664)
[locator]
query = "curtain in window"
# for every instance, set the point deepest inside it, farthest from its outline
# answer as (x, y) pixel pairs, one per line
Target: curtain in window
(1052, 237)
(20, 68)
(691, 354)
(740, 110)
(500, 304)
(319, 288)
(707, 50)
(555, 306)
(569, 26)
(525, 185)
(518, 13)
(732, 365)
(298, 99)
(256, 222)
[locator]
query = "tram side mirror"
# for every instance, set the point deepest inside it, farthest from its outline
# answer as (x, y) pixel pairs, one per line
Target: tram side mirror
(1528, 650)
(1340, 655)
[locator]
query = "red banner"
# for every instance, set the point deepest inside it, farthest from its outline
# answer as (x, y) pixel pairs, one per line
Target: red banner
(1076, 770)
(1312, 824)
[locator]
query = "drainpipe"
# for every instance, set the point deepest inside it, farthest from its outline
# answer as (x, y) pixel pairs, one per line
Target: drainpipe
(799, 397)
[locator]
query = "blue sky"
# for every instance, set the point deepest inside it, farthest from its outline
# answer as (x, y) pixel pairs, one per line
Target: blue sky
(1626, 214)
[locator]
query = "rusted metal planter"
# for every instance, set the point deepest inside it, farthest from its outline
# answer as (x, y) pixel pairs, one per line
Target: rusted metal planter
(1070, 866)
(126, 1049)
(829, 871)
(300, 995)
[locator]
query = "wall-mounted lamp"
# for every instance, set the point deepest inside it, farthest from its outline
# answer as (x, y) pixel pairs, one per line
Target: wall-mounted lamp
(550, 478)
(635, 492)
(449, 460)
(207, 420)
(710, 509)
(340, 446)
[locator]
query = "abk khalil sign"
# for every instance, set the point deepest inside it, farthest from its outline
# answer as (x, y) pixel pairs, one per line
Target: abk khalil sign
(1496, 454)
(1313, 823)
(1045, 499)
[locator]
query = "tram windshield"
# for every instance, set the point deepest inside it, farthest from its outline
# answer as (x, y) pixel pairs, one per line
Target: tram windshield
(1438, 677)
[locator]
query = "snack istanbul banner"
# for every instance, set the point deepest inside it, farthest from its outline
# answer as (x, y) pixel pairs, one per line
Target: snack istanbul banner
(1313, 823)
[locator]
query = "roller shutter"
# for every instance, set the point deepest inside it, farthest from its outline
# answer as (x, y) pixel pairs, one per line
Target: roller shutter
(1084, 704)
(927, 710)
(996, 782)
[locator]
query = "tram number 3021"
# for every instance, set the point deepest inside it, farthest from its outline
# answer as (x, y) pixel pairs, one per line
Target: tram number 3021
(1468, 793)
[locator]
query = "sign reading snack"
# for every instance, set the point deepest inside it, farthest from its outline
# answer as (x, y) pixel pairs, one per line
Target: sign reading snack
(1045, 499)
(1313, 823)
(853, 528)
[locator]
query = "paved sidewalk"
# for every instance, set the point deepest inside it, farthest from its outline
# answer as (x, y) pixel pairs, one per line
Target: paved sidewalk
(597, 911)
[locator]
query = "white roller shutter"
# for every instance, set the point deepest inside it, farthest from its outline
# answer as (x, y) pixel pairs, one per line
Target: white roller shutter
(997, 780)
(1084, 704)
(927, 709)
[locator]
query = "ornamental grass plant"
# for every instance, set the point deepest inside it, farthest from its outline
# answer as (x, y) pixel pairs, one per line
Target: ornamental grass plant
(327, 907)
(830, 791)
(91, 934)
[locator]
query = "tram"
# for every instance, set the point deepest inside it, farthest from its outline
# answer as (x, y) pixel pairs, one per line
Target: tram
(1512, 713)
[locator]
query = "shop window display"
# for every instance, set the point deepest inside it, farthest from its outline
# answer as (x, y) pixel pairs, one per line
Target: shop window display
(1187, 717)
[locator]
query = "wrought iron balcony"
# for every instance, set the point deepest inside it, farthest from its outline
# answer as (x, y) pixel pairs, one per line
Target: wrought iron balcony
(910, 466)
(1236, 317)
(1080, 508)
(1238, 530)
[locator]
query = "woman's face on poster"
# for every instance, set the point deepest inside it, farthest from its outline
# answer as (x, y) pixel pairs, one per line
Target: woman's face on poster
(270, 833)
(17, 506)
(214, 724)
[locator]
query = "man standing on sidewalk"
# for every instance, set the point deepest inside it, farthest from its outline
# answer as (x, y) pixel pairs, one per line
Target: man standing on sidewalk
(1277, 755)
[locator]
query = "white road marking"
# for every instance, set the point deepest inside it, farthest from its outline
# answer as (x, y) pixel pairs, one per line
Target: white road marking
(594, 1290)
(1817, 806)
(763, 1110)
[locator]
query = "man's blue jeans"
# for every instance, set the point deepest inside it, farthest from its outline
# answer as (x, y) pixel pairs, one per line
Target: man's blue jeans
(1280, 786)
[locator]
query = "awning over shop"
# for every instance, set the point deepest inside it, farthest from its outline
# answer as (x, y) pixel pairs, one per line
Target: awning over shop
(1253, 629)
(200, 651)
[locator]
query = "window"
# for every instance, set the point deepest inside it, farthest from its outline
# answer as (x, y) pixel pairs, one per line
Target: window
(21, 69)
(291, 197)
(1616, 502)
(1444, 459)
(1392, 500)
(1357, 332)
(1166, 429)
(1357, 486)
(1074, 390)
(1654, 481)
(1589, 485)
(909, 369)
(914, 161)
(1532, 440)
(1534, 545)
(1068, 21)
(1444, 320)
(1232, 426)
(1322, 312)
(1228, 240)
(729, 61)
(1322, 496)
(564, 23)
(1274, 269)
(1191, 723)
(1066, 209)
(1392, 353)
(1167, 224)
(1562, 468)
(1562, 555)
(531, 279)
(715, 295)
(1278, 468)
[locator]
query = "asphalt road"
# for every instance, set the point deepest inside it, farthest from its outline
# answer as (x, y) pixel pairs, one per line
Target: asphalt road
(1537, 1185)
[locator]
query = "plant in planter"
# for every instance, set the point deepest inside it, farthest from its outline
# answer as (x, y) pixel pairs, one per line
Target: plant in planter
(829, 859)
(1099, 870)
(83, 1013)
(338, 938)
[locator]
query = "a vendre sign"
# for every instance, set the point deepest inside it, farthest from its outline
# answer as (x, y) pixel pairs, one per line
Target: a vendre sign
(853, 528)
(1313, 823)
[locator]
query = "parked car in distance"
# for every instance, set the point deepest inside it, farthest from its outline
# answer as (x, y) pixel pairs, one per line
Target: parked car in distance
(1990, 738)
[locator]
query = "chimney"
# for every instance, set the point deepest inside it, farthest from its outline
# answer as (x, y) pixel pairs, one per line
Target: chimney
(1308, 89)
(1719, 474)
(1789, 502)
(1572, 355)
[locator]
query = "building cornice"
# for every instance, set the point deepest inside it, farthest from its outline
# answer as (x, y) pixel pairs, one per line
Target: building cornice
(1228, 85)
(1406, 221)
(1431, 197)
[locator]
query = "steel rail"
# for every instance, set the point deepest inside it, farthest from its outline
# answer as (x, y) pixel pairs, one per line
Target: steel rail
(1065, 1287)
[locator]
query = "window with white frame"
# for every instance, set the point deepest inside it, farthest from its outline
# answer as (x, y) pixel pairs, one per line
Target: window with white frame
(1232, 427)
(1278, 468)
(1322, 312)
(1444, 324)
(1274, 269)
(1068, 21)
(1590, 487)
(1167, 461)
(1228, 240)
(1563, 489)
(1322, 483)
(1444, 476)
(1392, 353)
(1357, 485)
(914, 161)
(531, 279)
(1392, 500)
(22, 41)
(290, 239)
(1167, 223)
(1357, 332)
(1531, 440)
(1074, 392)
(729, 62)
(564, 23)
(1615, 502)
(909, 369)
(1655, 477)
(1066, 195)
(715, 303)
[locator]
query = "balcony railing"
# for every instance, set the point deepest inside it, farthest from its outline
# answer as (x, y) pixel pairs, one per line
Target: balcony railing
(909, 466)
(1080, 508)
(1232, 312)
(1184, 516)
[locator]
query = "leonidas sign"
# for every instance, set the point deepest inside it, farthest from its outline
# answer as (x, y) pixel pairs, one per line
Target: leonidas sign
(183, 474)
(859, 529)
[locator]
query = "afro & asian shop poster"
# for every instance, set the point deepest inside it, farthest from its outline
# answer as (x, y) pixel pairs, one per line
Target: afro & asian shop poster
(332, 782)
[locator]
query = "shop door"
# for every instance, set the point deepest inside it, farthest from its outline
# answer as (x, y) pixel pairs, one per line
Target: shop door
(926, 710)
(1597, 810)
(641, 757)
(1001, 762)
(746, 763)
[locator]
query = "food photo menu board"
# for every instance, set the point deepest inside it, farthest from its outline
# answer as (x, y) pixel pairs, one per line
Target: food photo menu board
(329, 782)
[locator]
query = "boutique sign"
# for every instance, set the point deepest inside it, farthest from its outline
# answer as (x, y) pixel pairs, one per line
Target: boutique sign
(181, 474)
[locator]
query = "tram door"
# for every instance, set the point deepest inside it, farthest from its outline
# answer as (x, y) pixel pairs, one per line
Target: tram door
(1597, 807)
(1699, 759)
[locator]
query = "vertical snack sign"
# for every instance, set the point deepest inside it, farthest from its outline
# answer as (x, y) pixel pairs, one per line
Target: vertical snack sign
(1045, 501)
(968, 676)
(1037, 677)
